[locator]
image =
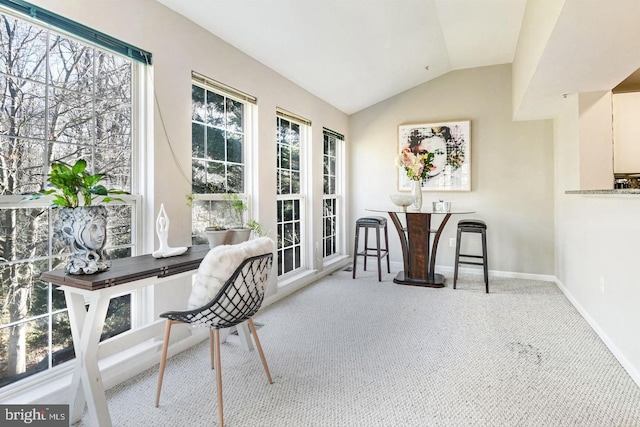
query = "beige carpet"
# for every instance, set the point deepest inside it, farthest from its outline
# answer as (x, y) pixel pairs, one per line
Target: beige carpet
(346, 352)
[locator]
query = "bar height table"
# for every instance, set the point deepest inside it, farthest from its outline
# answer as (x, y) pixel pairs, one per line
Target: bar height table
(418, 248)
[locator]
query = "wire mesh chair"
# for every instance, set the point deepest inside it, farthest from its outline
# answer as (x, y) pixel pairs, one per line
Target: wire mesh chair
(239, 298)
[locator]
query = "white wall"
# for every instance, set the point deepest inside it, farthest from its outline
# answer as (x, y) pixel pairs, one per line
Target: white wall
(596, 239)
(511, 166)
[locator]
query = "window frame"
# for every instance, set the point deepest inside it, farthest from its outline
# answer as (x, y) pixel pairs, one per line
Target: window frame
(249, 116)
(141, 110)
(303, 200)
(338, 196)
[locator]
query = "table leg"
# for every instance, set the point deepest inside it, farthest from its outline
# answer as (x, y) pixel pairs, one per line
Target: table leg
(418, 251)
(434, 248)
(245, 336)
(86, 381)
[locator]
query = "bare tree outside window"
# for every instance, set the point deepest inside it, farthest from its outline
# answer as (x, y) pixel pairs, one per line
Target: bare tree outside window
(60, 99)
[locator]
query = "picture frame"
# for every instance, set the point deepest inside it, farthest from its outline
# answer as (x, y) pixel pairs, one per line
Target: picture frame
(451, 144)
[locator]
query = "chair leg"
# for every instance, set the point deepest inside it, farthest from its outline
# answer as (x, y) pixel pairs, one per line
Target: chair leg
(163, 357)
(254, 332)
(378, 254)
(355, 251)
(211, 343)
(218, 368)
(484, 261)
(366, 246)
(455, 267)
(386, 248)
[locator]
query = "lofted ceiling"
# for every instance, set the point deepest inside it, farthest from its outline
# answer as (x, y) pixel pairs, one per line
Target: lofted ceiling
(356, 53)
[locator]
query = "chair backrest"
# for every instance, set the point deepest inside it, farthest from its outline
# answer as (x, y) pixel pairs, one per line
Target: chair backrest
(239, 298)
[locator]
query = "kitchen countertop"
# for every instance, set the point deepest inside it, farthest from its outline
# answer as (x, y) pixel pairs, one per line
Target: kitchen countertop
(616, 191)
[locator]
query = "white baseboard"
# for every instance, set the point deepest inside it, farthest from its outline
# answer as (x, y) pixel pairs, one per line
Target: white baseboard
(497, 273)
(448, 270)
(631, 370)
(287, 287)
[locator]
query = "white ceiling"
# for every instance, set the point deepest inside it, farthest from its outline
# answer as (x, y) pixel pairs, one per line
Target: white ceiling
(355, 53)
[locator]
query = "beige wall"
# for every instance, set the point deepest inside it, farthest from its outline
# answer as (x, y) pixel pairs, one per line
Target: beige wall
(178, 47)
(596, 245)
(512, 166)
(596, 141)
(626, 132)
(539, 19)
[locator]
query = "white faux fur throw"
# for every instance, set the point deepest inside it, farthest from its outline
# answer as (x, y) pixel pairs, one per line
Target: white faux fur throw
(218, 266)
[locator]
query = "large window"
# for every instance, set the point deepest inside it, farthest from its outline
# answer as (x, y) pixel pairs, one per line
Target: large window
(219, 117)
(61, 99)
(331, 199)
(290, 200)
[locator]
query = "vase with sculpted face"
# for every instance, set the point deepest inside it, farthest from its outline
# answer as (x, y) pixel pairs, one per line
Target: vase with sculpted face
(84, 230)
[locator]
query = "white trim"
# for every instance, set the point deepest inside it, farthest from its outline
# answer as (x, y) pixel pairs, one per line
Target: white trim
(628, 366)
(397, 266)
(292, 117)
(290, 285)
(218, 87)
(496, 273)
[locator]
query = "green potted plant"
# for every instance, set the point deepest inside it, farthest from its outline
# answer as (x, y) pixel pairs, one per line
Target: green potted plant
(216, 232)
(239, 232)
(257, 228)
(242, 231)
(82, 221)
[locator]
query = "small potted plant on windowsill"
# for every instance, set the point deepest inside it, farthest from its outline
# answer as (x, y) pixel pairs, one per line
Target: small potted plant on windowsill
(82, 221)
(216, 235)
(237, 206)
(219, 233)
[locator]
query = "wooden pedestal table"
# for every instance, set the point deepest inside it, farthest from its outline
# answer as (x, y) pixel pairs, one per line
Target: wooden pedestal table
(419, 244)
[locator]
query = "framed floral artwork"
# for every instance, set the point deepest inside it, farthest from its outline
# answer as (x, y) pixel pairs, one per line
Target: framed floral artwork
(450, 166)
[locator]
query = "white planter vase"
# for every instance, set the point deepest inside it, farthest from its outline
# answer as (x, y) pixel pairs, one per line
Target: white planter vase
(238, 235)
(216, 237)
(84, 230)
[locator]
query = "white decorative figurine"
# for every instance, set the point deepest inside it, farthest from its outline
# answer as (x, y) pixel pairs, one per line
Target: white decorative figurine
(162, 228)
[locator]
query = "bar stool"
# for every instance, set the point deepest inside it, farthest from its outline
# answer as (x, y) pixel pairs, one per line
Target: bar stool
(372, 222)
(472, 226)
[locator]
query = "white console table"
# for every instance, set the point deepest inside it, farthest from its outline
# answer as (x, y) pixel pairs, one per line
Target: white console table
(124, 276)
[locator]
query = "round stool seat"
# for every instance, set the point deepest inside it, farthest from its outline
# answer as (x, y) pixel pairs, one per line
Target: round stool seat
(472, 224)
(372, 220)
